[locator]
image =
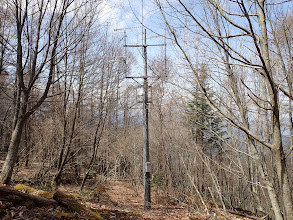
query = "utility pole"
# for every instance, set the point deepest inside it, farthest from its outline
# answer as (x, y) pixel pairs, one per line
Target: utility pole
(146, 152)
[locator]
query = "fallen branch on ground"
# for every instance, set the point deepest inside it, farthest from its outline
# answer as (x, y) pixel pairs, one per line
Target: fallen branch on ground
(11, 195)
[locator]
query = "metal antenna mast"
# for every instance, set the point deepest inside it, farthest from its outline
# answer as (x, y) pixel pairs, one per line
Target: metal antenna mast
(146, 152)
(146, 149)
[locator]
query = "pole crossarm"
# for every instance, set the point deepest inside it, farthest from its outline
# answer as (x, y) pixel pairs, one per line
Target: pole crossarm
(138, 77)
(146, 101)
(148, 45)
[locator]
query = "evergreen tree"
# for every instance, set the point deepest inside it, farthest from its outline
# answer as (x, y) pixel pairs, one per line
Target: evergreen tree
(207, 128)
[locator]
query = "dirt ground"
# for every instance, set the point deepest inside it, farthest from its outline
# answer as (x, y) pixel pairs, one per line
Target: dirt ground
(124, 196)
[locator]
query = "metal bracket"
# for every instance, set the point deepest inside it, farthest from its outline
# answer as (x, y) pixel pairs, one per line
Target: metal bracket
(147, 167)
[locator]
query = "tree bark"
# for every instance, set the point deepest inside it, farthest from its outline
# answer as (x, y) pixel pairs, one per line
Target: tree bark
(277, 147)
(15, 196)
(72, 204)
(24, 88)
(12, 152)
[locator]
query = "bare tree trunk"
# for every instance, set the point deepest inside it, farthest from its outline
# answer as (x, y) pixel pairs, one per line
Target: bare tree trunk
(277, 147)
(20, 110)
(255, 154)
(24, 88)
(12, 152)
(100, 127)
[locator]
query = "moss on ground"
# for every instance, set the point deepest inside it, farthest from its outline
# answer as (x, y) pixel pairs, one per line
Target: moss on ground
(72, 204)
(65, 214)
(75, 195)
(45, 194)
(24, 188)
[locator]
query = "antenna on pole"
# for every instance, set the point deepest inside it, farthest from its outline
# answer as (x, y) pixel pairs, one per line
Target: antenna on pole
(146, 152)
(142, 23)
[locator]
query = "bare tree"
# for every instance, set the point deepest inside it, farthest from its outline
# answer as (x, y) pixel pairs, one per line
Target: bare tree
(37, 30)
(239, 20)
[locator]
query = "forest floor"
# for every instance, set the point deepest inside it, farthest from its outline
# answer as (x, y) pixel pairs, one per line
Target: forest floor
(121, 197)
(125, 196)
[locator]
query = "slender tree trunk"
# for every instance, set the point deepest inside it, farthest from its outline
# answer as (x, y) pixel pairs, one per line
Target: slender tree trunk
(277, 148)
(27, 143)
(12, 152)
(280, 164)
(255, 154)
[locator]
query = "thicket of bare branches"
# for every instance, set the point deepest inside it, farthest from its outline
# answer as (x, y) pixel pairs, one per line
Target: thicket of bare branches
(221, 124)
